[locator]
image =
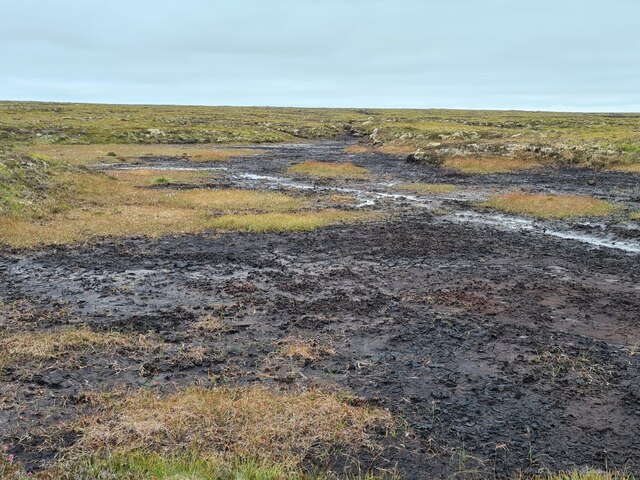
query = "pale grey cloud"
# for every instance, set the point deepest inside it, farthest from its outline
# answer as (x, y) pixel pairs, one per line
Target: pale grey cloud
(561, 54)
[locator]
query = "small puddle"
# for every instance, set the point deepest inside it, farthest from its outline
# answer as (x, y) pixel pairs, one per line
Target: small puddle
(367, 197)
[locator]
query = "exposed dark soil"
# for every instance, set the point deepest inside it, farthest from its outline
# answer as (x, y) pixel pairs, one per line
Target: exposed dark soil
(503, 350)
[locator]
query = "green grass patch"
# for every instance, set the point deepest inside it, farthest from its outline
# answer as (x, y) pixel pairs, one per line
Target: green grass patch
(328, 170)
(634, 215)
(193, 467)
(152, 466)
(550, 206)
(428, 188)
(587, 474)
(163, 180)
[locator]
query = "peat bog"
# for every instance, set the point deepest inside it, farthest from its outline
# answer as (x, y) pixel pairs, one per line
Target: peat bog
(443, 336)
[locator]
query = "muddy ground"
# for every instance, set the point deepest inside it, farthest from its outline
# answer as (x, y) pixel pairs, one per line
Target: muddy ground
(504, 347)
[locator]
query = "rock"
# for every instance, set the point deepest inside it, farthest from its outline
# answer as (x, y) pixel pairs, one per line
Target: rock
(420, 156)
(155, 132)
(374, 137)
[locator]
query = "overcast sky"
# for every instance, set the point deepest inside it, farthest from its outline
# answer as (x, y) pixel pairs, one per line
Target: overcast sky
(507, 54)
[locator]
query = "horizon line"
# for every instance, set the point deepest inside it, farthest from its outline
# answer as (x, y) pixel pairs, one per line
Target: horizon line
(202, 105)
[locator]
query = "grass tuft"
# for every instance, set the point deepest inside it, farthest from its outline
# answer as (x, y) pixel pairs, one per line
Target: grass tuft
(27, 346)
(285, 222)
(328, 170)
(488, 165)
(358, 149)
(303, 349)
(550, 206)
(163, 180)
(587, 474)
(246, 422)
(428, 188)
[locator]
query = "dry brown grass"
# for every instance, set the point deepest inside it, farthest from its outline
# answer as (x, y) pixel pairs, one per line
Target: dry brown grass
(328, 169)
(250, 422)
(342, 199)
(287, 222)
(238, 200)
(304, 349)
(79, 225)
(550, 206)
(358, 149)
(428, 188)
(210, 324)
(27, 346)
(110, 153)
(629, 167)
(487, 165)
(399, 150)
(100, 206)
(146, 177)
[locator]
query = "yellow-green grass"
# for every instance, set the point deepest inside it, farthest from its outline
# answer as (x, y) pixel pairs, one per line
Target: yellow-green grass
(286, 222)
(238, 200)
(328, 170)
(91, 206)
(428, 188)
(302, 348)
(146, 177)
(488, 165)
(358, 149)
(24, 347)
(150, 466)
(403, 131)
(255, 422)
(111, 153)
(634, 215)
(550, 206)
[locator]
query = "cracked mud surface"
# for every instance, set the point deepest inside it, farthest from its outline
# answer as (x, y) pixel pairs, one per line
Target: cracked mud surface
(512, 349)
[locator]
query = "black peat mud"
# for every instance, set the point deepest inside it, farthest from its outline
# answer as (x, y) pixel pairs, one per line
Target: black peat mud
(503, 351)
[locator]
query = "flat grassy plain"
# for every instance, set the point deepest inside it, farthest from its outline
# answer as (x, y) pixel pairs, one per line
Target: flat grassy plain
(85, 155)
(570, 137)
